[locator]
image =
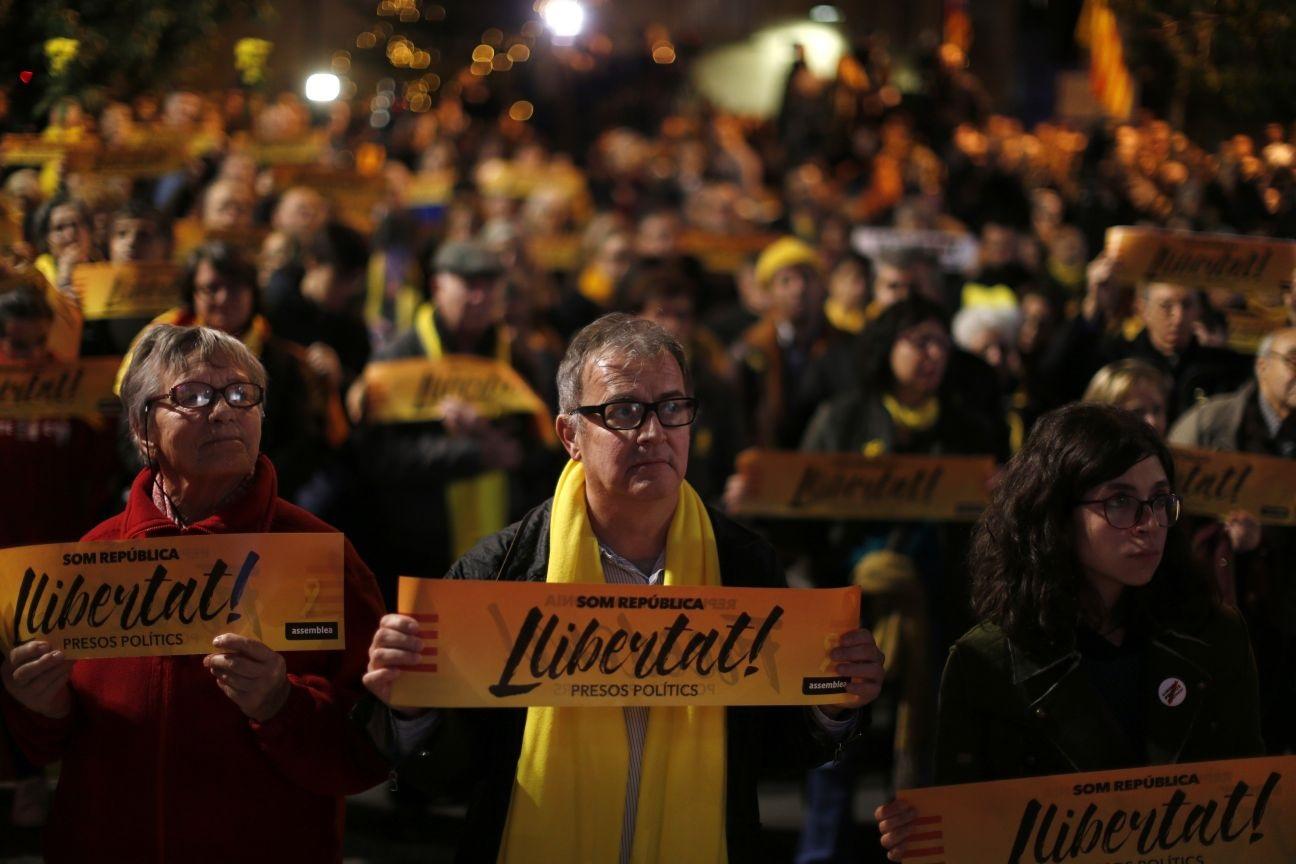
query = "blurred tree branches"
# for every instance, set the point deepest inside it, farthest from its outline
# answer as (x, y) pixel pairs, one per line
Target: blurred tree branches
(1213, 63)
(120, 47)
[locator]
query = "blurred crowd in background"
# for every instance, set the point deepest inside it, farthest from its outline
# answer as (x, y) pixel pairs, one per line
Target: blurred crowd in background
(865, 272)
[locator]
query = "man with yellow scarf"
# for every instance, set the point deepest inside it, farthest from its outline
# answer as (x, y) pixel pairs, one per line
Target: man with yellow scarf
(629, 785)
(432, 489)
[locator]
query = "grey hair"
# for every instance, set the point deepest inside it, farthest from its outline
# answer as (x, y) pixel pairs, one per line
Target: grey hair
(620, 335)
(1266, 344)
(165, 351)
(971, 321)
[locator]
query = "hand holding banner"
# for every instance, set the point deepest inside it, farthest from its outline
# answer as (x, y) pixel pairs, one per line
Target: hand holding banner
(172, 595)
(794, 485)
(1231, 812)
(504, 645)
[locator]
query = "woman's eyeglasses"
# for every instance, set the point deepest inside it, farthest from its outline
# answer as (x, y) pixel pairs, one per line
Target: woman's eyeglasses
(199, 394)
(1126, 511)
(678, 411)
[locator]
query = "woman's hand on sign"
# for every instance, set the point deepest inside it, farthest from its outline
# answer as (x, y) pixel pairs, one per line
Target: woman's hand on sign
(395, 644)
(460, 418)
(254, 677)
(857, 657)
(37, 676)
(1243, 530)
(895, 823)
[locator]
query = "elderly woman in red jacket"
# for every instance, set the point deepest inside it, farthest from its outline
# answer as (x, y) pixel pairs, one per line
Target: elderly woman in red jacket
(244, 754)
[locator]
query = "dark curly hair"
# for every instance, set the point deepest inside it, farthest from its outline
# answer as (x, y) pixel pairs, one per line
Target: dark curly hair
(1025, 574)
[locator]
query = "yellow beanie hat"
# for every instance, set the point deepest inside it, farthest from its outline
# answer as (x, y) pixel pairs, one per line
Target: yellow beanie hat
(785, 252)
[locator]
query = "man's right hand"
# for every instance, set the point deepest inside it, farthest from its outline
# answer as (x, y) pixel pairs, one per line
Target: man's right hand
(895, 823)
(395, 644)
(37, 676)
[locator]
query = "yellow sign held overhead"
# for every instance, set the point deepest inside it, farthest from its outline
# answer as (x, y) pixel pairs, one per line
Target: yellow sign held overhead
(1253, 265)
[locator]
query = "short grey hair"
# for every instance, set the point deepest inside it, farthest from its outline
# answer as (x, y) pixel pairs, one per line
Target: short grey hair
(615, 334)
(972, 321)
(1266, 344)
(165, 351)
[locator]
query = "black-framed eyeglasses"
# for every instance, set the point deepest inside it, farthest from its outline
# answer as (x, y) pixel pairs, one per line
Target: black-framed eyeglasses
(625, 414)
(199, 394)
(1126, 511)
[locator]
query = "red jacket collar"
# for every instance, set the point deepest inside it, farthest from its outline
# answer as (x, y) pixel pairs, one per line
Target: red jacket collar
(250, 513)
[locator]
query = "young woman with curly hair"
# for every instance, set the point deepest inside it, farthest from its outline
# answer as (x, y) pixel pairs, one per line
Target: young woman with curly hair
(1099, 646)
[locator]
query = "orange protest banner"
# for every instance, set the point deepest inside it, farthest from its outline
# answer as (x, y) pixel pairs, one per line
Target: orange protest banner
(1248, 327)
(352, 196)
(1229, 812)
(792, 485)
(126, 290)
(305, 150)
(1249, 264)
(491, 644)
(724, 253)
(1215, 483)
(414, 390)
(58, 390)
(164, 596)
(145, 158)
(190, 233)
(36, 149)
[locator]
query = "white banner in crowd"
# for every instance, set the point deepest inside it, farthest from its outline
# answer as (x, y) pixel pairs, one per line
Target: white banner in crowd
(958, 253)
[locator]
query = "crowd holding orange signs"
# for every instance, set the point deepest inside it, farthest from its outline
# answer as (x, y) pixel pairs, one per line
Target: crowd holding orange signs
(448, 351)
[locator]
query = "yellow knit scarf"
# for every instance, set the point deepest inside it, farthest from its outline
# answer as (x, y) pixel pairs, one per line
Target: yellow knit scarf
(847, 318)
(478, 506)
(918, 419)
(569, 792)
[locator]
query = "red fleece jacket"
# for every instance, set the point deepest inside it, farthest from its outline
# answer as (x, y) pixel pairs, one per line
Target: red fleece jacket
(159, 765)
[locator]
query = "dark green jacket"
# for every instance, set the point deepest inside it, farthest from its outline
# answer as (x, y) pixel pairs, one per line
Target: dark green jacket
(1008, 713)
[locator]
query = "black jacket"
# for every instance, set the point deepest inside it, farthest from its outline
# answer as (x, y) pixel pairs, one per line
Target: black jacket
(486, 743)
(1196, 373)
(403, 524)
(1007, 712)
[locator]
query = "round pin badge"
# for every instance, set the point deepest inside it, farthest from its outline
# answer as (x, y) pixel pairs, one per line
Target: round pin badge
(1172, 692)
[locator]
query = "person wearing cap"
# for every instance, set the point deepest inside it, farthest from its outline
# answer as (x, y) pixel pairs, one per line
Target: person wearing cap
(777, 355)
(432, 489)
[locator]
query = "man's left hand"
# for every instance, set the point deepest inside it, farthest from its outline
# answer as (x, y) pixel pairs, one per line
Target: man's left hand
(253, 676)
(858, 657)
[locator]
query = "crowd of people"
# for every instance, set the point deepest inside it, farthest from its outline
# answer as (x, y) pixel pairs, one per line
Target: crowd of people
(445, 233)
